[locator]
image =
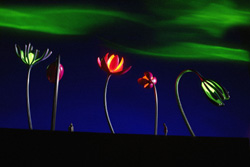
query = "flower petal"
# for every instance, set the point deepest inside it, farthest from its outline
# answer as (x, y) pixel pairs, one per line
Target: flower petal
(114, 62)
(123, 71)
(106, 57)
(30, 58)
(148, 74)
(142, 81)
(120, 66)
(109, 61)
(211, 94)
(224, 94)
(22, 57)
(215, 88)
(17, 48)
(99, 62)
(104, 66)
(149, 85)
(146, 85)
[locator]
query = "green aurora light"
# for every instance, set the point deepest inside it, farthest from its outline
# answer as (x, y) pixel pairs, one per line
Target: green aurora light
(214, 19)
(192, 31)
(212, 16)
(190, 51)
(60, 20)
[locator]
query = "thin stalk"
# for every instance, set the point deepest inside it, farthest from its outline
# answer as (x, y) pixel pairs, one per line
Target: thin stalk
(156, 109)
(53, 120)
(165, 129)
(179, 101)
(28, 98)
(105, 104)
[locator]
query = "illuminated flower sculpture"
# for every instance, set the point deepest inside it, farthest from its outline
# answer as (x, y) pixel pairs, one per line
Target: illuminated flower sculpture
(52, 69)
(31, 58)
(214, 92)
(149, 81)
(111, 65)
(54, 74)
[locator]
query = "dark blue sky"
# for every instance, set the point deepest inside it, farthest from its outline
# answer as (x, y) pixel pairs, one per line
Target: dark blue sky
(131, 107)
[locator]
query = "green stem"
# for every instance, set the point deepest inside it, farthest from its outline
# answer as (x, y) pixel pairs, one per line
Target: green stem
(28, 98)
(179, 101)
(105, 104)
(156, 110)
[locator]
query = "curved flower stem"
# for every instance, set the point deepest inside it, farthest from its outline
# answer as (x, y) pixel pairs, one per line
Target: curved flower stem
(53, 120)
(179, 101)
(105, 104)
(28, 97)
(156, 110)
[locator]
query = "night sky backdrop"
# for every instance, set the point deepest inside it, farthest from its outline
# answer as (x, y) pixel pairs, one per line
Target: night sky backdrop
(164, 37)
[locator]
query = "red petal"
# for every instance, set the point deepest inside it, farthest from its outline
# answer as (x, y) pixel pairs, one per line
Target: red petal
(148, 74)
(142, 81)
(104, 66)
(106, 57)
(99, 62)
(114, 63)
(123, 71)
(120, 66)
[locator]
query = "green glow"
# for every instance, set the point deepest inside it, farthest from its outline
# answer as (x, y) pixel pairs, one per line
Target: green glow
(29, 59)
(60, 20)
(210, 92)
(175, 28)
(215, 92)
(190, 51)
(29, 56)
(22, 57)
(210, 89)
(191, 30)
(220, 89)
(214, 18)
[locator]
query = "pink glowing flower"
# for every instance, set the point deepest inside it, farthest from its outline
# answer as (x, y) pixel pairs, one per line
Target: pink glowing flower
(148, 80)
(51, 72)
(112, 65)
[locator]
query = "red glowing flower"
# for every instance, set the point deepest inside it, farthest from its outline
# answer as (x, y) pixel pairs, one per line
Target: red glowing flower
(112, 65)
(148, 80)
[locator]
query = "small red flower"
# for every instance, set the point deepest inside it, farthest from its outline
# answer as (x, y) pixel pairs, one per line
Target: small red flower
(51, 72)
(148, 80)
(112, 65)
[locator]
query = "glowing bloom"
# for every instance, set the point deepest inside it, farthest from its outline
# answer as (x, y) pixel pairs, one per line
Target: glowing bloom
(30, 57)
(112, 65)
(51, 72)
(215, 92)
(148, 80)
